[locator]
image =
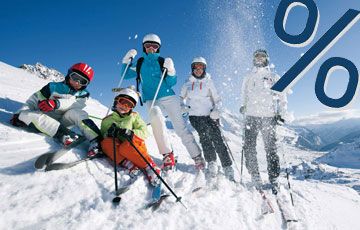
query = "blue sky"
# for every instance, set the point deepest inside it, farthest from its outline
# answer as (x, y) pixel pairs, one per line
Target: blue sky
(60, 33)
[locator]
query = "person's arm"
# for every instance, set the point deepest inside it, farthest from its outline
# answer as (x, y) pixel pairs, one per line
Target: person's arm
(139, 126)
(244, 96)
(214, 95)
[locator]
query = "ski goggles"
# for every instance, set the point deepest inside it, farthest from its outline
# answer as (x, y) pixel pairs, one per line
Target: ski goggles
(125, 103)
(198, 66)
(81, 80)
(155, 46)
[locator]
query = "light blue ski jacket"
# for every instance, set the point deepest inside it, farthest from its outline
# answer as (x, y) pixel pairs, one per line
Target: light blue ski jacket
(150, 73)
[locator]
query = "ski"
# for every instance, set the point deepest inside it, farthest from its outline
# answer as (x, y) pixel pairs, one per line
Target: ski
(156, 198)
(266, 206)
(48, 158)
(60, 166)
(197, 186)
(287, 212)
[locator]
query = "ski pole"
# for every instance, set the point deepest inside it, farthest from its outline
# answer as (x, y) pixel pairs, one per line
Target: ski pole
(117, 198)
(178, 199)
(158, 88)
(121, 80)
(242, 150)
(227, 146)
(288, 177)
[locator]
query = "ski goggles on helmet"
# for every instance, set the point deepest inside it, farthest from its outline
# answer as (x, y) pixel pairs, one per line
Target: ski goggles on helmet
(125, 103)
(149, 45)
(81, 80)
(198, 66)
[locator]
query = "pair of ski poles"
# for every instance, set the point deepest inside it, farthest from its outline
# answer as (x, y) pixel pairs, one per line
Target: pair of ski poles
(117, 198)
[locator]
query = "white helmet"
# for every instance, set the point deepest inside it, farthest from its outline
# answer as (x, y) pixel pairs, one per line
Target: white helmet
(129, 93)
(152, 38)
(199, 60)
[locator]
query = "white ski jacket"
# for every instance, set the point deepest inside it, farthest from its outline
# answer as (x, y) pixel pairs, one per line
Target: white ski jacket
(258, 98)
(201, 95)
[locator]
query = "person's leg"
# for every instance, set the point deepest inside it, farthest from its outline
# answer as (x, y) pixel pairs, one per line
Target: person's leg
(80, 118)
(40, 122)
(125, 150)
(221, 149)
(251, 162)
(218, 142)
(200, 125)
(157, 121)
(171, 104)
(268, 131)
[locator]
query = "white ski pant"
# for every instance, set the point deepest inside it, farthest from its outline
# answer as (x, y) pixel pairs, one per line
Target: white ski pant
(49, 123)
(171, 106)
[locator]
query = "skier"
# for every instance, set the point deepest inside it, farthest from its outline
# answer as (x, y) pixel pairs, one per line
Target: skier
(263, 109)
(202, 102)
(129, 125)
(148, 72)
(59, 105)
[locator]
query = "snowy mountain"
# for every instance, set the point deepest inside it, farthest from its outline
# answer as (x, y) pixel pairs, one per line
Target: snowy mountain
(43, 72)
(325, 196)
(329, 130)
(306, 138)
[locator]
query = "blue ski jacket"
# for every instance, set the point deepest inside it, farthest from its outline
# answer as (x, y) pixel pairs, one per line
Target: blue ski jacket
(150, 73)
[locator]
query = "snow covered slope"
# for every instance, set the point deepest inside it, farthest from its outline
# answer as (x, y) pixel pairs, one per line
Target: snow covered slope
(80, 197)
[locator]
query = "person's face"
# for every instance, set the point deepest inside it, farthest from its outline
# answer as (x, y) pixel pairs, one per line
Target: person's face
(77, 81)
(124, 105)
(151, 47)
(198, 69)
(260, 59)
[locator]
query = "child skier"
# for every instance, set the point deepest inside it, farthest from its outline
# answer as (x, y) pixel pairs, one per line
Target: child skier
(60, 104)
(129, 125)
(202, 102)
(148, 72)
(263, 109)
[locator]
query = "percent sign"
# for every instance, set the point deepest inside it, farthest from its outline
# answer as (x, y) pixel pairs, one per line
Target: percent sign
(316, 51)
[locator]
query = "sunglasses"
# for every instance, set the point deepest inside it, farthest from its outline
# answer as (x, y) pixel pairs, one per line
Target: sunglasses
(198, 66)
(151, 45)
(81, 80)
(125, 103)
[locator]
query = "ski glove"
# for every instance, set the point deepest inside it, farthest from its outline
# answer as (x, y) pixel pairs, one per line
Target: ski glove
(129, 56)
(48, 105)
(279, 119)
(15, 121)
(242, 109)
(169, 65)
(185, 110)
(114, 131)
(215, 114)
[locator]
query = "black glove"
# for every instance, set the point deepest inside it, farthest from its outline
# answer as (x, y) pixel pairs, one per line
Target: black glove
(126, 133)
(279, 119)
(112, 131)
(16, 122)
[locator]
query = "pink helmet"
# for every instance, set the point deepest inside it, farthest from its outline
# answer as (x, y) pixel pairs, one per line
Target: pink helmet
(84, 69)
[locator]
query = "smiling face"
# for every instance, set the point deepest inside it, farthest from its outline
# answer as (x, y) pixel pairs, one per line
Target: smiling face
(124, 105)
(198, 69)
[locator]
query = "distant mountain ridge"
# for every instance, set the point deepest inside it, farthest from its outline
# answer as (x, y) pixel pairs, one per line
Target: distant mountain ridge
(44, 72)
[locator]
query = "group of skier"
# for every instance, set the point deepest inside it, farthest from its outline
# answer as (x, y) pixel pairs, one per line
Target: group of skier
(58, 105)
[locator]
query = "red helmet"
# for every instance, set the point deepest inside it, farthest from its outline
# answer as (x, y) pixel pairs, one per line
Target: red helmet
(84, 69)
